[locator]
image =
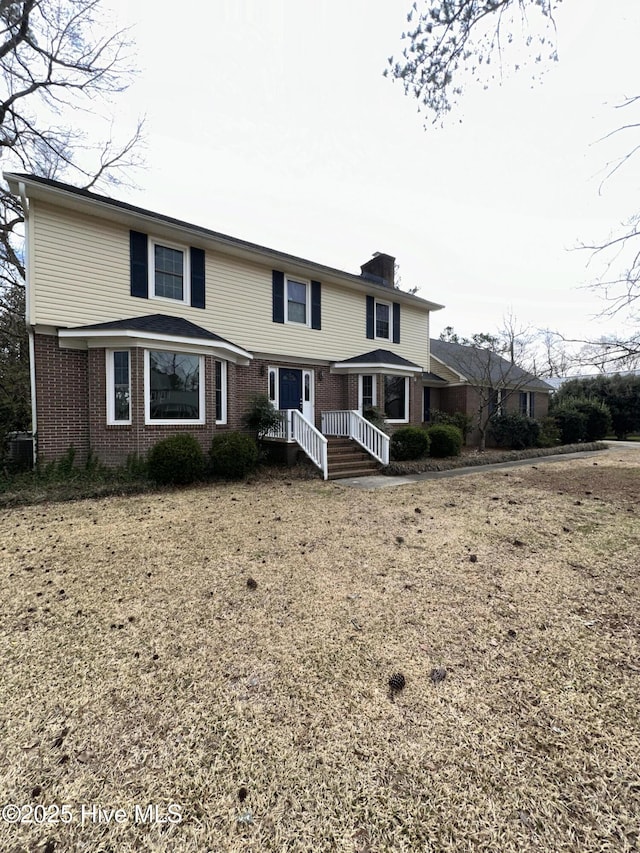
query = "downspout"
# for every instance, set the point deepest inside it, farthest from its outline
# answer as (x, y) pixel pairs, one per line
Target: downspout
(27, 317)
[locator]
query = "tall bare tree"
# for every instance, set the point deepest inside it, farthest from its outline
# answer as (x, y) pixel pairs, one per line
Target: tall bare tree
(58, 70)
(452, 43)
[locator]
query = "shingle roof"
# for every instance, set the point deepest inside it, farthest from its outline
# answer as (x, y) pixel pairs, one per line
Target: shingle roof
(433, 377)
(160, 324)
(380, 356)
(481, 365)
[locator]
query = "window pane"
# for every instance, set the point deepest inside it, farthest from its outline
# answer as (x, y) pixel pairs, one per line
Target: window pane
(174, 386)
(367, 392)
(121, 387)
(296, 302)
(169, 270)
(382, 321)
(218, 391)
(307, 387)
(394, 397)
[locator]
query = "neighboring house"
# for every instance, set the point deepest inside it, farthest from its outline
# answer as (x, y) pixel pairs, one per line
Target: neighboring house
(478, 382)
(142, 325)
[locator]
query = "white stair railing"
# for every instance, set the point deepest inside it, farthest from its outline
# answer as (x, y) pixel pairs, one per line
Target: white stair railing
(351, 424)
(311, 440)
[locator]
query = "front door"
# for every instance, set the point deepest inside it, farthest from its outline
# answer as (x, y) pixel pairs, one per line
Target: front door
(290, 391)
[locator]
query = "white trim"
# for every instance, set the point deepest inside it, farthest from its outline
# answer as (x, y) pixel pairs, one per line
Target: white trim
(186, 270)
(404, 420)
(275, 399)
(389, 305)
(223, 384)
(133, 337)
(375, 367)
(173, 421)
(110, 370)
(307, 311)
(462, 377)
(374, 390)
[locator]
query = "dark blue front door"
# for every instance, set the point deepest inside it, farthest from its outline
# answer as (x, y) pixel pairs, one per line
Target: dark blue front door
(290, 389)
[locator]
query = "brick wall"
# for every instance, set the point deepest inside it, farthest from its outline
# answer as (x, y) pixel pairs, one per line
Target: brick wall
(62, 399)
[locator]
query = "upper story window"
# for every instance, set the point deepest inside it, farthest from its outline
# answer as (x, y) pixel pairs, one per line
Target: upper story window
(383, 320)
(169, 268)
(297, 302)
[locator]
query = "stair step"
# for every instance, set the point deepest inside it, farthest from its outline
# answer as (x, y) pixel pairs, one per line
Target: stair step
(355, 472)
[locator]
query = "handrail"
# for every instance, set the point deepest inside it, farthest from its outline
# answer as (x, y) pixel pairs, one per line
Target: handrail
(351, 424)
(310, 439)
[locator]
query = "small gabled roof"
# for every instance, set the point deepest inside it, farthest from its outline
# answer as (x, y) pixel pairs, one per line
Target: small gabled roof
(377, 361)
(433, 379)
(157, 327)
(479, 365)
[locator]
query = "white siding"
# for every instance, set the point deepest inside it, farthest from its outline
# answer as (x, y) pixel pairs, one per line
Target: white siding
(81, 276)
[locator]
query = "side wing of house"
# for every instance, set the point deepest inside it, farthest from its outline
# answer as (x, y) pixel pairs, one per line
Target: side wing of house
(142, 325)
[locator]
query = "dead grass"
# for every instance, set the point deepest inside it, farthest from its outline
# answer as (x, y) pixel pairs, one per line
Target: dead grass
(139, 667)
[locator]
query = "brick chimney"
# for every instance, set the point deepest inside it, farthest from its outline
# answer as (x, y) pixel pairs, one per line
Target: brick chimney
(380, 269)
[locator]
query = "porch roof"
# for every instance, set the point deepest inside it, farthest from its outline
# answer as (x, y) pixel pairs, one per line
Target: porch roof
(376, 361)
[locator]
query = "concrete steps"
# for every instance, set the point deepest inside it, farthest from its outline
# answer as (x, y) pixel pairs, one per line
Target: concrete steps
(347, 459)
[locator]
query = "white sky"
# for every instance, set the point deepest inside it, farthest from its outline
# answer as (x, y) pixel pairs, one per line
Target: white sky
(270, 120)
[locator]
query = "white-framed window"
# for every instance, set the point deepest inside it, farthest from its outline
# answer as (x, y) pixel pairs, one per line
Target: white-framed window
(396, 399)
(118, 387)
(221, 392)
(297, 307)
(527, 403)
(169, 271)
(497, 402)
(273, 386)
(367, 392)
(174, 387)
(382, 319)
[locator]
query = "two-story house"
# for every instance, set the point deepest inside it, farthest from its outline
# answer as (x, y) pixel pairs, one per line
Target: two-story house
(141, 325)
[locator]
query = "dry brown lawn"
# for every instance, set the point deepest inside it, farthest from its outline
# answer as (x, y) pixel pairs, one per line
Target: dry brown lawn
(139, 668)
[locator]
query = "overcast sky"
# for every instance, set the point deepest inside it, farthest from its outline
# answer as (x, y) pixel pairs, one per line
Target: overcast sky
(270, 120)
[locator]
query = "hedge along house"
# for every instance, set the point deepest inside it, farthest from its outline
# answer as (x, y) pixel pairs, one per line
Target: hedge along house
(480, 383)
(142, 325)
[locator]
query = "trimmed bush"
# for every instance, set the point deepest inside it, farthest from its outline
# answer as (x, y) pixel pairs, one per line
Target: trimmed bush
(457, 419)
(409, 443)
(176, 460)
(233, 455)
(571, 422)
(445, 440)
(514, 431)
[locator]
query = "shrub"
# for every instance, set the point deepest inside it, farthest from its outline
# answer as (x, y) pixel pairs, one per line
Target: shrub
(513, 430)
(571, 423)
(261, 416)
(445, 440)
(598, 418)
(176, 460)
(549, 433)
(409, 443)
(375, 417)
(457, 419)
(233, 455)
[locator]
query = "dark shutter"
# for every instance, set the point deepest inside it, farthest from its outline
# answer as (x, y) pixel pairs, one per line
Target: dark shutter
(370, 316)
(396, 322)
(315, 305)
(532, 404)
(278, 296)
(139, 262)
(197, 278)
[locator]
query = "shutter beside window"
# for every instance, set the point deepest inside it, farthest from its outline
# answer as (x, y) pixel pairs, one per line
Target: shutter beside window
(396, 322)
(370, 316)
(197, 278)
(315, 305)
(139, 260)
(278, 296)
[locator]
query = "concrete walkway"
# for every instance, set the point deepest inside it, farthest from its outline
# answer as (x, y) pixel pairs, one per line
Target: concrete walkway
(380, 481)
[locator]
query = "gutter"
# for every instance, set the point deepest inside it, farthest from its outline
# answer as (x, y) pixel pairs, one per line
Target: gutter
(27, 318)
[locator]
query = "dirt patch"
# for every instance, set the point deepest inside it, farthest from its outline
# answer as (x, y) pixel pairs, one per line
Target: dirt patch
(141, 668)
